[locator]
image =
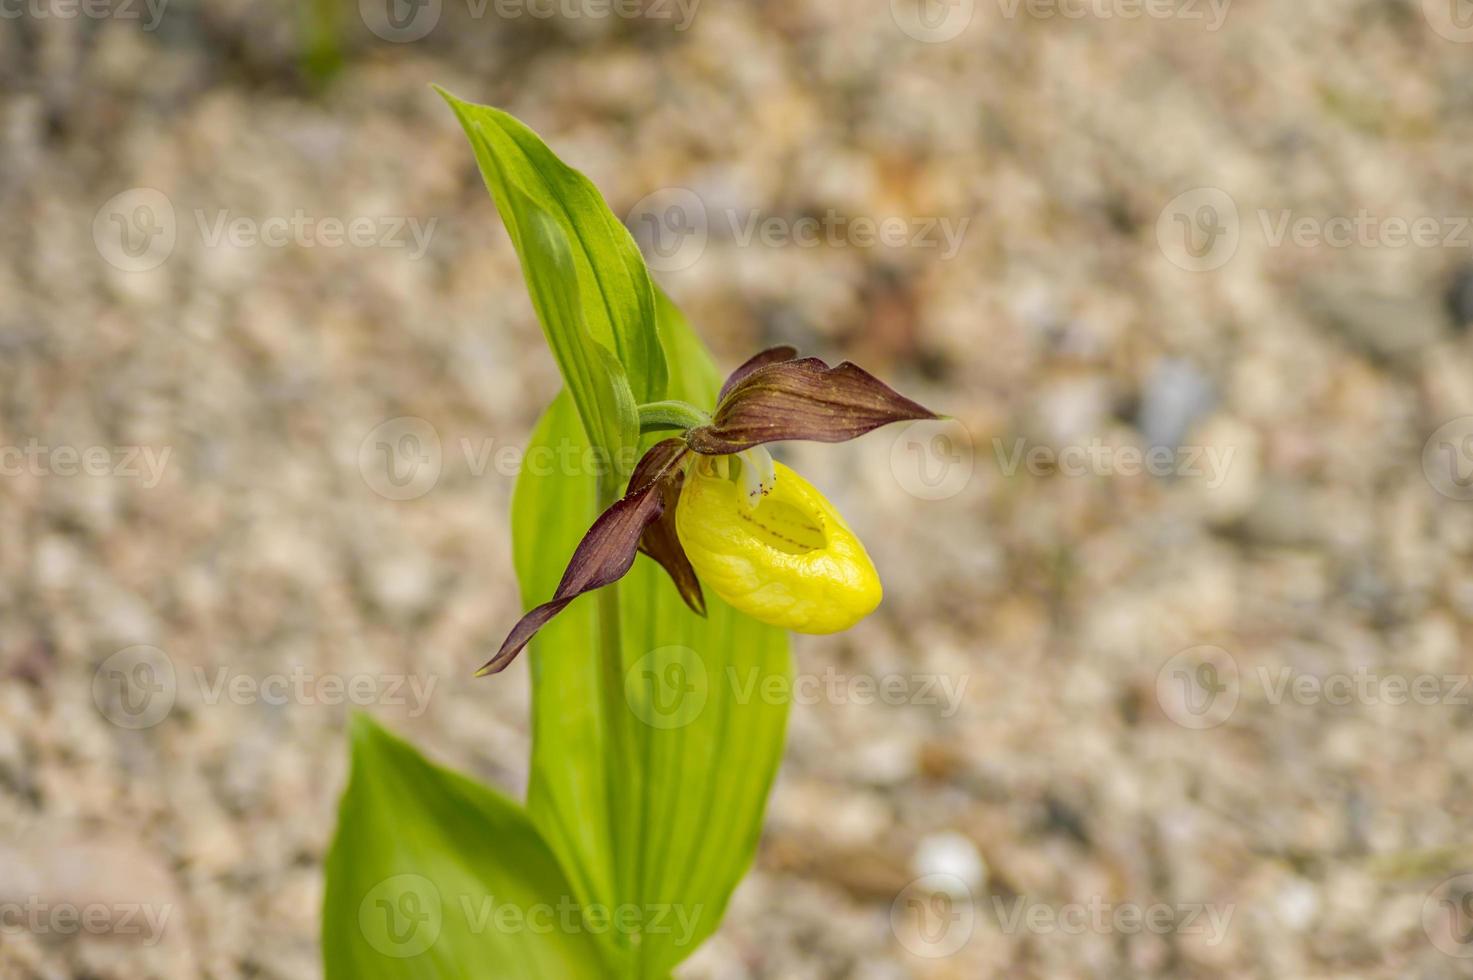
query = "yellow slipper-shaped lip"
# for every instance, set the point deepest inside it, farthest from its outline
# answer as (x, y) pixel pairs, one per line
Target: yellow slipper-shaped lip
(790, 561)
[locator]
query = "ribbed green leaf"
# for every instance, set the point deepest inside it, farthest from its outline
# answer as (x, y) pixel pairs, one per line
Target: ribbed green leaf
(435, 876)
(594, 377)
(594, 263)
(650, 772)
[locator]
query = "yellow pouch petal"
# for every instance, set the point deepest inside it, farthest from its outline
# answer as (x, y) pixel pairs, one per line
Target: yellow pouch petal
(791, 561)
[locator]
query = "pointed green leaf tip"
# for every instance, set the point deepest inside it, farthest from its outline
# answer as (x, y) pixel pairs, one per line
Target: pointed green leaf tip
(588, 281)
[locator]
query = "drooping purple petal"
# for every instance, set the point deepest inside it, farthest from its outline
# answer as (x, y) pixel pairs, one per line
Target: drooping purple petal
(802, 399)
(662, 543)
(606, 552)
(773, 355)
(658, 462)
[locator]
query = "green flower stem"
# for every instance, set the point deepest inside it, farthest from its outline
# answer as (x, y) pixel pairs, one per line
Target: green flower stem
(656, 416)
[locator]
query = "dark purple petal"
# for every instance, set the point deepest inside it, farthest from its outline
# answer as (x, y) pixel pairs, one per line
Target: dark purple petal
(606, 552)
(773, 355)
(804, 399)
(662, 543)
(657, 462)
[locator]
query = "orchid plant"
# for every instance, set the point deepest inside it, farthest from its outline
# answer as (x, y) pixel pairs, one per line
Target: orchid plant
(651, 761)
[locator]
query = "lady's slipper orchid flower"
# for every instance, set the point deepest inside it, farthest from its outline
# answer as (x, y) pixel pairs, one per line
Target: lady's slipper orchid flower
(711, 506)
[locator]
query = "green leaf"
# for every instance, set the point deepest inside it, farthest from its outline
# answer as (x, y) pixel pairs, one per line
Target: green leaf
(596, 380)
(650, 773)
(601, 274)
(432, 876)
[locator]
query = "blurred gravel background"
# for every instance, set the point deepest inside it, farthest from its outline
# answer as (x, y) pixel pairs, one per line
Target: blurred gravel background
(1148, 671)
